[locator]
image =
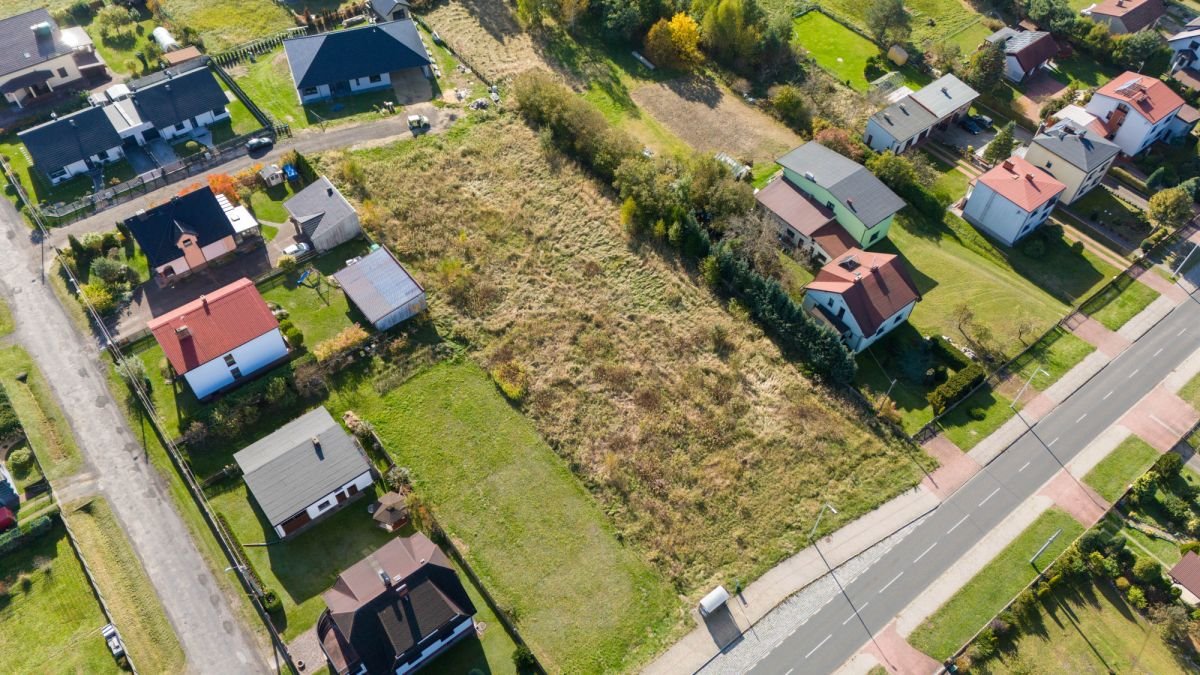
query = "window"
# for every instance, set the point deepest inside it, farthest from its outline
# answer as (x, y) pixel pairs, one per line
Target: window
(869, 139)
(236, 373)
(230, 361)
(874, 237)
(324, 505)
(217, 112)
(375, 78)
(308, 91)
(830, 301)
(61, 173)
(187, 242)
(62, 72)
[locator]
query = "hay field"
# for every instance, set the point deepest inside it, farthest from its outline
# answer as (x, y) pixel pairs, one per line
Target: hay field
(226, 23)
(487, 36)
(710, 453)
(712, 119)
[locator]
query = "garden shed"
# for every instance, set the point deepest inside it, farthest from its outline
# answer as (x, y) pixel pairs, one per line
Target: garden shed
(382, 289)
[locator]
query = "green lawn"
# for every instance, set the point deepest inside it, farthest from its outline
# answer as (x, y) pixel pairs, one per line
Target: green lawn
(834, 47)
(45, 426)
(40, 190)
(1114, 473)
(994, 586)
(1191, 392)
(267, 203)
(319, 309)
(268, 83)
(1088, 628)
(952, 184)
(1082, 69)
(1125, 305)
(6, 319)
(129, 254)
(31, 475)
(1056, 353)
(131, 598)
(930, 19)
(1101, 207)
(225, 23)
(299, 569)
(527, 526)
(794, 276)
(119, 49)
(966, 431)
(51, 619)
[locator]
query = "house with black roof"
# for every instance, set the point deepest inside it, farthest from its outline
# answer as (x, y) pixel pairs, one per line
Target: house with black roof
(184, 235)
(173, 103)
(37, 58)
(345, 62)
(394, 611)
(73, 144)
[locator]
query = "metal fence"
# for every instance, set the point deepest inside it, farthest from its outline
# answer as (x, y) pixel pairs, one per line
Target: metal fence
(248, 50)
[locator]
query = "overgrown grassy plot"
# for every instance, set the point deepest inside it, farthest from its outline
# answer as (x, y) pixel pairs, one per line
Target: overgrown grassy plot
(51, 619)
(226, 23)
(684, 421)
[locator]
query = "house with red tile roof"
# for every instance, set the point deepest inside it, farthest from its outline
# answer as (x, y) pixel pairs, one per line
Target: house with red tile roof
(862, 296)
(1137, 111)
(220, 338)
(1125, 16)
(1025, 52)
(1012, 199)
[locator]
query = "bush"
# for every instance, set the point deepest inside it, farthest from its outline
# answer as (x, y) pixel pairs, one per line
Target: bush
(271, 602)
(876, 67)
(350, 338)
(1176, 508)
(977, 414)
(512, 379)
(99, 296)
(133, 373)
(17, 537)
(20, 461)
(287, 263)
(947, 352)
(985, 645)
(294, 337)
(1136, 597)
(956, 387)
(524, 660)
(1123, 176)
(1034, 247)
(1147, 571)
(1168, 466)
(9, 422)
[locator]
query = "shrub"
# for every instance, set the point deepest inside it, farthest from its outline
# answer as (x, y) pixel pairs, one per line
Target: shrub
(397, 478)
(524, 660)
(876, 67)
(512, 379)
(20, 461)
(956, 387)
(977, 414)
(1136, 597)
(133, 373)
(985, 644)
(1123, 176)
(271, 602)
(99, 296)
(1175, 507)
(1147, 570)
(947, 352)
(294, 337)
(1190, 547)
(287, 263)
(1168, 466)
(674, 43)
(9, 422)
(350, 338)
(1034, 247)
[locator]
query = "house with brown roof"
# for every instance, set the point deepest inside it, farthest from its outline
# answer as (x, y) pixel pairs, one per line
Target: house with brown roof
(862, 296)
(1125, 16)
(395, 610)
(1186, 573)
(1011, 199)
(1025, 52)
(220, 338)
(1137, 111)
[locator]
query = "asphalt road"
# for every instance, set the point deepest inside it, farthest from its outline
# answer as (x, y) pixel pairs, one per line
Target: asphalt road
(834, 634)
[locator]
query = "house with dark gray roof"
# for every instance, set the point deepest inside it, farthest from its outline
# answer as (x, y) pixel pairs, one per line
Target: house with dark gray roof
(304, 471)
(380, 287)
(37, 58)
(184, 235)
(322, 215)
(174, 102)
(900, 126)
(1077, 156)
(72, 145)
(394, 611)
(344, 62)
(390, 10)
(1025, 52)
(859, 202)
(946, 98)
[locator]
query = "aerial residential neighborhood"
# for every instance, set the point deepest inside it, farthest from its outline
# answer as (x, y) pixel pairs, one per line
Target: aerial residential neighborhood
(736, 336)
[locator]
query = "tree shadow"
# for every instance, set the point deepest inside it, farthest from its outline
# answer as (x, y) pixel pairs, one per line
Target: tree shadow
(697, 89)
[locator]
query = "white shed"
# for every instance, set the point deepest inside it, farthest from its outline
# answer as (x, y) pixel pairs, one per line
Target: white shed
(165, 40)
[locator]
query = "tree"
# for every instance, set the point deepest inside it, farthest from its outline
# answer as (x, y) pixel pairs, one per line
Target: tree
(964, 316)
(1170, 208)
(108, 270)
(985, 68)
(223, 184)
(888, 22)
(622, 19)
(943, 54)
(1134, 49)
(788, 103)
(113, 19)
(675, 43)
(1002, 145)
(1055, 14)
(896, 171)
(732, 30)
(840, 141)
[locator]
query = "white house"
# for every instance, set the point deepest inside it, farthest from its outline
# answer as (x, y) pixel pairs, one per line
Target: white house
(220, 338)
(1137, 111)
(344, 62)
(305, 470)
(1011, 200)
(323, 215)
(862, 296)
(910, 120)
(38, 58)
(1185, 45)
(1025, 52)
(1125, 16)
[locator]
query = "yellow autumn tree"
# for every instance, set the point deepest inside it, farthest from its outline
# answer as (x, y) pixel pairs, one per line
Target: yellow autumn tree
(675, 43)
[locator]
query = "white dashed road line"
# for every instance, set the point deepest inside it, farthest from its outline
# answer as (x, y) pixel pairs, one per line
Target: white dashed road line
(810, 653)
(925, 551)
(1051, 443)
(860, 609)
(1107, 395)
(964, 518)
(1135, 372)
(885, 586)
(1080, 418)
(985, 499)
(1022, 467)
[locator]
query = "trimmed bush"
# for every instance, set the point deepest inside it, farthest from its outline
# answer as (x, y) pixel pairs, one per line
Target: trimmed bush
(9, 422)
(944, 350)
(524, 660)
(1123, 176)
(956, 387)
(20, 461)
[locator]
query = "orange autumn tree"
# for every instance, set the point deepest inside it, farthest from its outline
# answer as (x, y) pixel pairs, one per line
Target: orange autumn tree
(224, 184)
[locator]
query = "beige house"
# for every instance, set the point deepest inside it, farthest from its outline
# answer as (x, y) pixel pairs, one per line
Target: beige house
(39, 59)
(1076, 156)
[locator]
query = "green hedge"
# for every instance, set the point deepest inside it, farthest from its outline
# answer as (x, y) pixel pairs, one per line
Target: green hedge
(1131, 181)
(947, 352)
(18, 536)
(8, 417)
(956, 387)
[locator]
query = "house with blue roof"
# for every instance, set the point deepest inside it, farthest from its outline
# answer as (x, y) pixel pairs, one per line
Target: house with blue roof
(345, 62)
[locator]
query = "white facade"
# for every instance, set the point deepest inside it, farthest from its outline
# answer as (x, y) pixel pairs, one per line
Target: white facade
(880, 139)
(1078, 183)
(1012, 68)
(835, 304)
(64, 72)
(413, 308)
(329, 502)
(1136, 133)
(325, 91)
(187, 126)
(223, 371)
(81, 167)
(1000, 217)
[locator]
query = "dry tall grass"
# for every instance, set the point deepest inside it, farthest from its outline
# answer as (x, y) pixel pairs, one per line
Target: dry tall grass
(710, 452)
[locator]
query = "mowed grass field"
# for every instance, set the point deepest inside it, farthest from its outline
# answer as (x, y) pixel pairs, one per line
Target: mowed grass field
(709, 464)
(51, 621)
(841, 51)
(1118, 470)
(225, 23)
(938, 20)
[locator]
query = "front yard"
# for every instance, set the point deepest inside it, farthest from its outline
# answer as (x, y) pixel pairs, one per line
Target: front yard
(1123, 303)
(40, 190)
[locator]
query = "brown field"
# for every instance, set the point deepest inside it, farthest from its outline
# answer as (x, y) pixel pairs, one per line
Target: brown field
(486, 35)
(712, 119)
(710, 452)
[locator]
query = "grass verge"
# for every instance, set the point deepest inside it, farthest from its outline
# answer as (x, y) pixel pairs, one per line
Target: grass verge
(45, 426)
(1115, 472)
(1125, 305)
(6, 319)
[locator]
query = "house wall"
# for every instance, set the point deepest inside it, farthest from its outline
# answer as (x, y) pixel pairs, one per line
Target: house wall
(328, 503)
(1077, 181)
(329, 236)
(249, 358)
(400, 314)
(77, 168)
(1136, 133)
(318, 93)
(855, 340)
(365, 83)
(865, 236)
(995, 214)
(878, 138)
(465, 627)
(64, 69)
(1012, 68)
(210, 253)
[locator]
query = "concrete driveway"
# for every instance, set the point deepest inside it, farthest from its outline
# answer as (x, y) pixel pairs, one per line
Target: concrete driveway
(959, 138)
(162, 152)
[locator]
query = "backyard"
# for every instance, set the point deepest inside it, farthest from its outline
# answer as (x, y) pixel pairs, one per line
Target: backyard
(1118, 470)
(994, 586)
(1101, 207)
(224, 24)
(841, 51)
(51, 619)
(932, 20)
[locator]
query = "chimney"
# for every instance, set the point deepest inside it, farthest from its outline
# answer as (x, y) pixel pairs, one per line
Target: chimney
(1008, 165)
(316, 442)
(1029, 177)
(387, 580)
(204, 302)
(946, 91)
(329, 191)
(182, 332)
(857, 277)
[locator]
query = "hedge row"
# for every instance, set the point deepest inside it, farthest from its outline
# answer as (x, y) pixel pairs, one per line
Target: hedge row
(19, 536)
(1130, 181)
(948, 352)
(9, 422)
(958, 386)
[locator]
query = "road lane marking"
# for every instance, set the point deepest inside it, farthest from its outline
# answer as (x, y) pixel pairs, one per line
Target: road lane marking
(1080, 418)
(1135, 372)
(790, 671)
(1107, 395)
(1158, 352)
(810, 653)
(1022, 467)
(1181, 332)
(885, 586)
(957, 524)
(985, 499)
(849, 618)
(1051, 443)
(925, 551)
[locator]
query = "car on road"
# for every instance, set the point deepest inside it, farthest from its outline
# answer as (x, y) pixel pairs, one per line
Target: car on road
(260, 143)
(298, 248)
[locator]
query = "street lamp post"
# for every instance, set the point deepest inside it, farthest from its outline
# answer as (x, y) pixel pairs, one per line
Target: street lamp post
(1039, 371)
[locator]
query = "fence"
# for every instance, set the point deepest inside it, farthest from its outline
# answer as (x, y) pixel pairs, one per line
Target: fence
(247, 50)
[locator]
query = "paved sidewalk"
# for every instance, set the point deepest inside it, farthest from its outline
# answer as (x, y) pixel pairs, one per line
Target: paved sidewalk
(1145, 319)
(956, 467)
(1071, 495)
(1161, 418)
(897, 656)
(1105, 340)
